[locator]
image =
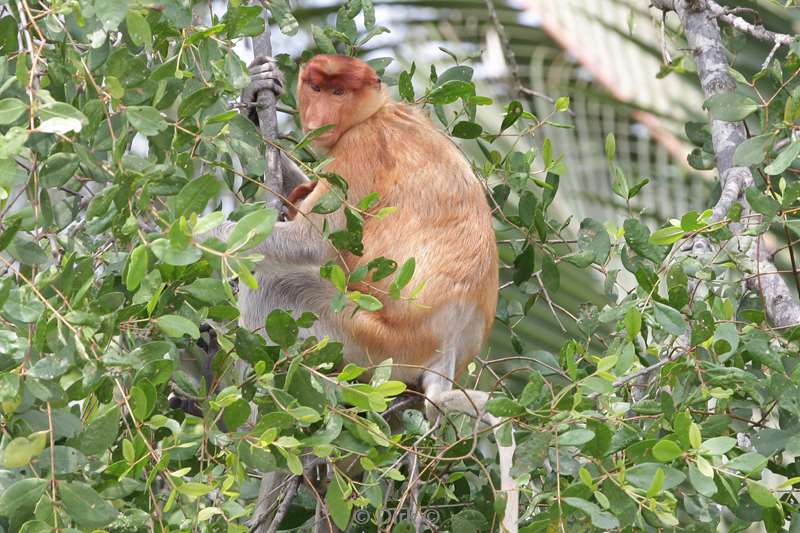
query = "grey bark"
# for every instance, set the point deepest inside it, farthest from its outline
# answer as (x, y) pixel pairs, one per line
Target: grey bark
(699, 20)
(268, 122)
(273, 180)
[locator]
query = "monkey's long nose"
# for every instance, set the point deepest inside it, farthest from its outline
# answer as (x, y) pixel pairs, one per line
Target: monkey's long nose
(312, 125)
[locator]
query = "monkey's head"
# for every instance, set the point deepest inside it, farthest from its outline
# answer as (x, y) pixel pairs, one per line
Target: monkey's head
(338, 90)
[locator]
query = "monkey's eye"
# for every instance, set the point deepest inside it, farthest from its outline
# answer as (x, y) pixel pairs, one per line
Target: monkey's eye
(315, 88)
(338, 92)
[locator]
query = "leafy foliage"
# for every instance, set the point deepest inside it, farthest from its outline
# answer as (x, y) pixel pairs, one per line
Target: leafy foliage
(117, 138)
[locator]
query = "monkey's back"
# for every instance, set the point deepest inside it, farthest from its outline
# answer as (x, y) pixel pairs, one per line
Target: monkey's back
(442, 219)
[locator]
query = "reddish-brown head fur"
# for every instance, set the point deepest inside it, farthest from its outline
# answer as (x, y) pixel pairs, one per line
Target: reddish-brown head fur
(338, 90)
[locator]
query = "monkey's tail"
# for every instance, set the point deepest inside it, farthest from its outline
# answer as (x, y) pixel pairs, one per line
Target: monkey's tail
(466, 402)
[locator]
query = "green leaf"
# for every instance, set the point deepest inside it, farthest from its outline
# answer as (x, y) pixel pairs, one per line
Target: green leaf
(620, 183)
(405, 87)
(7, 236)
(514, 111)
(669, 319)
(8, 35)
(138, 29)
(667, 236)
(701, 483)
(18, 453)
(60, 117)
(194, 196)
(642, 475)
(21, 497)
(146, 119)
(208, 290)
(208, 222)
(637, 236)
(335, 274)
(350, 372)
(110, 13)
(11, 109)
(600, 519)
(338, 504)
(657, 484)
(785, 158)
(611, 146)
(761, 494)
(730, 106)
(593, 238)
(330, 202)
(58, 169)
(790, 194)
(695, 437)
(177, 326)
(323, 42)
(167, 253)
(753, 151)
(405, 273)
(549, 274)
(503, 406)
(365, 301)
(458, 72)
(137, 267)
(467, 130)
(523, 265)
(638, 187)
(194, 489)
(252, 228)
(346, 26)
(282, 328)
(717, 446)
(197, 101)
(85, 506)
(575, 437)
(100, 434)
(451, 91)
(748, 463)
(761, 203)
(633, 322)
(12, 141)
(666, 450)
(562, 103)
(369, 13)
(282, 14)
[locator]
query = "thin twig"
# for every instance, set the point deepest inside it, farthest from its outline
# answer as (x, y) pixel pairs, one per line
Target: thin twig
(645, 371)
(768, 60)
(511, 58)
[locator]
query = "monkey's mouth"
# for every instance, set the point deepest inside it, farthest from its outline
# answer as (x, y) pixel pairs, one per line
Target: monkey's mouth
(326, 140)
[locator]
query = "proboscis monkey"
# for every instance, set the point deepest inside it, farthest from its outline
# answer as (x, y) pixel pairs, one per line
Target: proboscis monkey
(442, 219)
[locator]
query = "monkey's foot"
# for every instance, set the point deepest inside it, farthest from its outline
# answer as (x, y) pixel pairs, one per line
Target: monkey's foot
(265, 75)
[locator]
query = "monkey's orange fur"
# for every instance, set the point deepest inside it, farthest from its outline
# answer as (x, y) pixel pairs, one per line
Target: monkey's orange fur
(442, 217)
(442, 220)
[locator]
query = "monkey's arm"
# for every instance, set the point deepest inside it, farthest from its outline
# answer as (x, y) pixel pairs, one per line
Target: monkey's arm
(296, 242)
(291, 242)
(293, 177)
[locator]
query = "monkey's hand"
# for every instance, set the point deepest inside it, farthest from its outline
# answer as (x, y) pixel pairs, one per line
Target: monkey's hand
(264, 76)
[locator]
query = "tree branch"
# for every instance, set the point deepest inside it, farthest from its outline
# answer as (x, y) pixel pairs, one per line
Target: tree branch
(756, 30)
(699, 20)
(288, 497)
(728, 15)
(268, 119)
